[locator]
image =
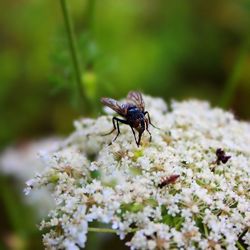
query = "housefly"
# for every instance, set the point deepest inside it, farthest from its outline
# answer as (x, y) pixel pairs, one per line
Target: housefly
(133, 113)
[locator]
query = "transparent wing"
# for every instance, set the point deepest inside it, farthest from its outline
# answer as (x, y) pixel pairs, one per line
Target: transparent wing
(136, 98)
(119, 108)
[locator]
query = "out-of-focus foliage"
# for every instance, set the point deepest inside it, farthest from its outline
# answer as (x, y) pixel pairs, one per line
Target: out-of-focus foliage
(173, 49)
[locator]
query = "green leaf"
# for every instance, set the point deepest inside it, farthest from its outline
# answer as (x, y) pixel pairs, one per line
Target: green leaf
(95, 174)
(151, 202)
(54, 178)
(135, 171)
(137, 153)
(172, 221)
(132, 207)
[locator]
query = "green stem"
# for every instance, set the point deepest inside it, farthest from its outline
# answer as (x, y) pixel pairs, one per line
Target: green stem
(205, 230)
(108, 230)
(82, 97)
(239, 245)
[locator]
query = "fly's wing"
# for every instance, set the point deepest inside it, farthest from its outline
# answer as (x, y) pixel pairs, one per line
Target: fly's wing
(119, 108)
(136, 98)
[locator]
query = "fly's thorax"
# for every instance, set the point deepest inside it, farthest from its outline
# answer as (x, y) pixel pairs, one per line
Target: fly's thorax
(133, 110)
(135, 113)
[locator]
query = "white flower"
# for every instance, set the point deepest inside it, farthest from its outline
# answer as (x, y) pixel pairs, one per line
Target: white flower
(123, 186)
(69, 245)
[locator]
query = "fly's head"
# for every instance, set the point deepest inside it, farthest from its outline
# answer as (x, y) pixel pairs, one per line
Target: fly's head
(139, 124)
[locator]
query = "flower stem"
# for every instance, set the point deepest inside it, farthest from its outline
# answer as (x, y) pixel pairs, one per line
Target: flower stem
(239, 245)
(205, 230)
(82, 97)
(108, 230)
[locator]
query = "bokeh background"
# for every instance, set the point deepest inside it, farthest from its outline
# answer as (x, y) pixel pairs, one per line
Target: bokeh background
(169, 48)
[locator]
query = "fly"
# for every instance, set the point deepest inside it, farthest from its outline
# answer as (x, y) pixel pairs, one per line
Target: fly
(133, 113)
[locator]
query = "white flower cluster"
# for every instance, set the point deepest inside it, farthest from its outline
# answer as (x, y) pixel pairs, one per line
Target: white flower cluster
(172, 192)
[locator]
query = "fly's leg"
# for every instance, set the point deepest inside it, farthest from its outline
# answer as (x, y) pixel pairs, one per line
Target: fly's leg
(139, 139)
(116, 126)
(135, 136)
(150, 138)
(149, 120)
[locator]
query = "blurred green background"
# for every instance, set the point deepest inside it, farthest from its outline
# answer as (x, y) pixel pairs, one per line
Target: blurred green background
(172, 49)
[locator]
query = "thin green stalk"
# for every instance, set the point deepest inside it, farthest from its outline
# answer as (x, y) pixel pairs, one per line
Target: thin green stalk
(82, 97)
(240, 246)
(101, 230)
(90, 73)
(107, 230)
(205, 230)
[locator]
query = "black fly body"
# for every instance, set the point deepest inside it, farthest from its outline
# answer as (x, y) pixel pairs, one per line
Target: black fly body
(133, 112)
